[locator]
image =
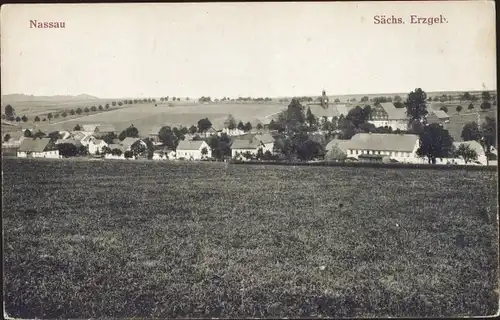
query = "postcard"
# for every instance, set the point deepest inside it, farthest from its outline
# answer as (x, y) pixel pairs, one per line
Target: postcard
(249, 160)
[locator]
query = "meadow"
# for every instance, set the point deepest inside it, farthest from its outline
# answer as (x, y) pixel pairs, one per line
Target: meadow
(170, 240)
(147, 116)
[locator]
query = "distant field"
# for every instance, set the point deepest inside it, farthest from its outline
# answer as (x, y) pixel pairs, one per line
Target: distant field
(146, 116)
(142, 240)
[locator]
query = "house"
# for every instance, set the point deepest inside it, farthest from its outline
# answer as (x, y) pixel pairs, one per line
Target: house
(437, 116)
(476, 146)
(385, 114)
(400, 147)
(38, 148)
(128, 142)
(241, 147)
(192, 150)
(163, 153)
(83, 137)
(14, 139)
(96, 146)
(233, 132)
(266, 141)
(65, 134)
(210, 132)
(104, 129)
(89, 128)
(330, 112)
(153, 135)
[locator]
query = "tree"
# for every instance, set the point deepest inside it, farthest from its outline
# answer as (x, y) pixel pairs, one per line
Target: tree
(248, 127)
(489, 133)
(79, 111)
(397, 99)
(101, 108)
(112, 103)
(18, 119)
(50, 116)
(471, 131)
(443, 108)
(435, 142)
(72, 112)
(77, 128)
(24, 118)
(193, 129)
(470, 107)
(9, 112)
(67, 149)
(466, 96)
(6, 137)
(56, 116)
(109, 137)
(310, 118)
(364, 99)
(416, 107)
(486, 105)
(241, 126)
(27, 133)
(105, 150)
(485, 96)
(204, 125)
(168, 137)
(204, 151)
(130, 132)
(466, 152)
(459, 108)
(358, 115)
(86, 110)
(230, 122)
(94, 109)
(337, 100)
(309, 149)
(39, 134)
(107, 106)
(37, 119)
(259, 126)
(44, 119)
(294, 114)
(54, 135)
(335, 154)
(120, 103)
(116, 152)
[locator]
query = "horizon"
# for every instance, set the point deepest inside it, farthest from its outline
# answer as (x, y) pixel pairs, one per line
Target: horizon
(245, 49)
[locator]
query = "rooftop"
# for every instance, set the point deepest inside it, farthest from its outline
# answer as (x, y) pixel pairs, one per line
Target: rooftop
(34, 145)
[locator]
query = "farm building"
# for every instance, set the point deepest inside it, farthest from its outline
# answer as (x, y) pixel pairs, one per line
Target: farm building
(98, 129)
(38, 148)
(113, 155)
(400, 147)
(96, 146)
(129, 142)
(192, 150)
(332, 111)
(240, 147)
(386, 114)
(163, 153)
(89, 128)
(437, 116)
(14, 139)
(266, 141)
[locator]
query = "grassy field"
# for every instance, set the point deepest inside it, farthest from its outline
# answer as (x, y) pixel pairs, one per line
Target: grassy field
(146, 116)
(120, 239)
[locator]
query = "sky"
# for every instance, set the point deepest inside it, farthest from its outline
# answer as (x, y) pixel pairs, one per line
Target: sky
(246, 49)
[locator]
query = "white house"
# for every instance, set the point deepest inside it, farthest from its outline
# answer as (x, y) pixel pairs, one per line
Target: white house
(38, 148)
(192, 150)
(96, 145)
(385, 114)
(266, 141)
(400, 147)
(233, 132)
(240, 147)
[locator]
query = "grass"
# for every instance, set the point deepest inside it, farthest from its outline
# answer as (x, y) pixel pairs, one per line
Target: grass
(146, 116)
(104, 239)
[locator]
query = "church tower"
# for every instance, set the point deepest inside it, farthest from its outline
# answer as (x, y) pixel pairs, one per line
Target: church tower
(324, 100)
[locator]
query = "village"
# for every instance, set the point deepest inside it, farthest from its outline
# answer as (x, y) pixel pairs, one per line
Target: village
(309, 132)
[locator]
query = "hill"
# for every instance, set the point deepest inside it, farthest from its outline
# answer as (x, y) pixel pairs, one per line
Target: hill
(16, 98)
